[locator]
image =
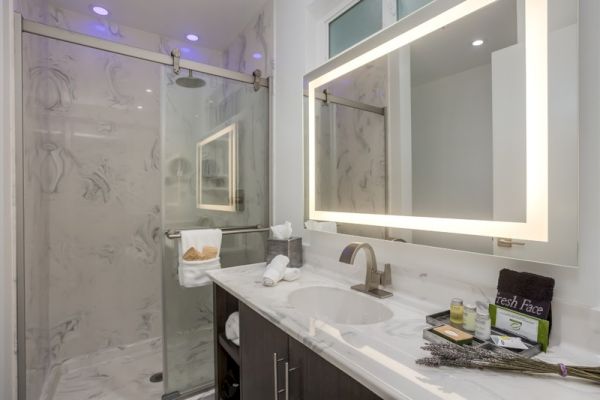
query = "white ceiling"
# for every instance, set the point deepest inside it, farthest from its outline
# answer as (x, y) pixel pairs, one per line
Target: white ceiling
(449, 51)
(216, 22)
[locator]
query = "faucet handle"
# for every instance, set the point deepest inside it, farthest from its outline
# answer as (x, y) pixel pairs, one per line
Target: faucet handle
(386, 276)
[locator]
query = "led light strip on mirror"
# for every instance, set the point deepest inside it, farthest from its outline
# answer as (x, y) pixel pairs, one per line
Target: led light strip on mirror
(535, 226)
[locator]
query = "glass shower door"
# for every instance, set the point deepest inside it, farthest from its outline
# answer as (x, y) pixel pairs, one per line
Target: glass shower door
(215, 158)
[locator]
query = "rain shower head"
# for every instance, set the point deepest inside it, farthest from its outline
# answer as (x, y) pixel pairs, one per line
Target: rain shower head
(190, 82)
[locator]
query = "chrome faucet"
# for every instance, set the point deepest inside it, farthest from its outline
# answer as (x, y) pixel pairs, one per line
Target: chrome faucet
(374, 278)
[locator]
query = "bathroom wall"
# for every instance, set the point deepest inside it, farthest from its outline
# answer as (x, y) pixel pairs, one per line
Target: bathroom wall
(576, 288)
(253, 47)
(92, 202)
(465, 144)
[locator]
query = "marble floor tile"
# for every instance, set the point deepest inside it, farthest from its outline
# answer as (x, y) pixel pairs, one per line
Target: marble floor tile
(120, 373)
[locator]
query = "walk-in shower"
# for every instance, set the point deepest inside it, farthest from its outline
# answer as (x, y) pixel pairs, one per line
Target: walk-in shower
(107, 163)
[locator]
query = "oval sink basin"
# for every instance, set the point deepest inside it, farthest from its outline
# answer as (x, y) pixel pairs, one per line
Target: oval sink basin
(339, 306)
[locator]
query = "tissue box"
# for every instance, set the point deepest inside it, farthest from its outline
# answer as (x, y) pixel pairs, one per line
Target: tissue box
(292, 248)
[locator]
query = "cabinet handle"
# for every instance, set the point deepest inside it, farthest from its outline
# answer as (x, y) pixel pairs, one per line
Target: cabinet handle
(287, 379)
(276, 393)
(275, 390)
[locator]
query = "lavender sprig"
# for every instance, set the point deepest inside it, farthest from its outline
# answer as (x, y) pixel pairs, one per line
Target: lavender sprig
(452, 355)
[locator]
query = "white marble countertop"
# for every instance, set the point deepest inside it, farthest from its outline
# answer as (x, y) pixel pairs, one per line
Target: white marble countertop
(382, 356)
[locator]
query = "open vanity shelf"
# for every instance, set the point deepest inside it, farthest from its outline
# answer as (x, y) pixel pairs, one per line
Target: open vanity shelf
(227, 354)
(231, 349)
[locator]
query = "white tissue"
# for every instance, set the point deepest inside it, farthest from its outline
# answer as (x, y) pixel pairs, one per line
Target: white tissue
(283, 231)
(291, 274)
(322, 226)
(275, 270)
(232, 328)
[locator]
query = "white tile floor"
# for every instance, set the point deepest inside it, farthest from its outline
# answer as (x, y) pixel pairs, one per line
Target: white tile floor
(117, 374)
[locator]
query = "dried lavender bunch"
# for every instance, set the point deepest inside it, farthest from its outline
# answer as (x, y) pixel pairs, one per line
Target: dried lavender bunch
(452, 355)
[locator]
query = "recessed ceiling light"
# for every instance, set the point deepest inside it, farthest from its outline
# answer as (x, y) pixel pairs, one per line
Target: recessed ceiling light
(191, 37)
(140, 107)
(477, 42)
(257, 56)
(148, 90)
(100, 10)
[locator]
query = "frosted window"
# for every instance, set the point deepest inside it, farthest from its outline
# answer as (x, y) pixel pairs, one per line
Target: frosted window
(357, 23)
(405, 7)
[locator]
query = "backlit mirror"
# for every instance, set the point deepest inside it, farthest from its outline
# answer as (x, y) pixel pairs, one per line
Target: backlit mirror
(217, 174)
(436, 131)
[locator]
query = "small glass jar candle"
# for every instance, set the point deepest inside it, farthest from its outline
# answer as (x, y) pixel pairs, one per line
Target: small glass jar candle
(469, 315)
(456, 311)
(483, 325)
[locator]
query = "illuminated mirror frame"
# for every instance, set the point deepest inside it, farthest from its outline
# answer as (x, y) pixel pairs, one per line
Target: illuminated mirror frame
(230, 133)
(433, 17)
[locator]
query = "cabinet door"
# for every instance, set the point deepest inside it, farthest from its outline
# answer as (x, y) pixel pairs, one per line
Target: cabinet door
(314, 378)
(263, 352)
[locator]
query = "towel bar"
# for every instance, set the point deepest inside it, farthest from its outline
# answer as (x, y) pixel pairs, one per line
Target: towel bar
(176, 234)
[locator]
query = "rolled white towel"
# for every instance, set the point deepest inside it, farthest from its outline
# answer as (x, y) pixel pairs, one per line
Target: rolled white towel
(291, 274)
(232, 328)
(275, 270)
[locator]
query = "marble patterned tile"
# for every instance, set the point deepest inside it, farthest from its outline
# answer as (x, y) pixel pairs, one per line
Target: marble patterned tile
(253, 48)
(118, 373)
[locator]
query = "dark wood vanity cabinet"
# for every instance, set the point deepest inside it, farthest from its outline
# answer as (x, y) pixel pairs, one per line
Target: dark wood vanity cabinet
(263, 350)
(316, 378)
(263, 354)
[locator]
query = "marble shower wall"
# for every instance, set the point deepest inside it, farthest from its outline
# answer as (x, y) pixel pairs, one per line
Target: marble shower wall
(93, 200)
(253, 48)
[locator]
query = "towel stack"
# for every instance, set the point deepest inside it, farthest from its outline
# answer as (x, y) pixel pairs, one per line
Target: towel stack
(232, 328)
(278, 270)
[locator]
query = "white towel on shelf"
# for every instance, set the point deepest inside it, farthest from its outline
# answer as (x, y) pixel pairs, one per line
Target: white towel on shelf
(193, 273)
(275, 270)
(232, 328)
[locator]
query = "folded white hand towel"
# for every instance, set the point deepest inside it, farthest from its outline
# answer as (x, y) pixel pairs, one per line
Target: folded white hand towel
(291, 274)
(275, 270)
(193, 273)
(232, 328)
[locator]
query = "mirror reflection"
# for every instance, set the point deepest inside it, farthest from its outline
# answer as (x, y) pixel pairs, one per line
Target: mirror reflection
(437, 129)
(217, 171)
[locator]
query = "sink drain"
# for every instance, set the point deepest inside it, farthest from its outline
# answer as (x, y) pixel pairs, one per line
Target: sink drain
(157, 377)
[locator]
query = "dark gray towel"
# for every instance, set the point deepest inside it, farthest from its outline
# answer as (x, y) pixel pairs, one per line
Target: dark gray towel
(526, 293)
